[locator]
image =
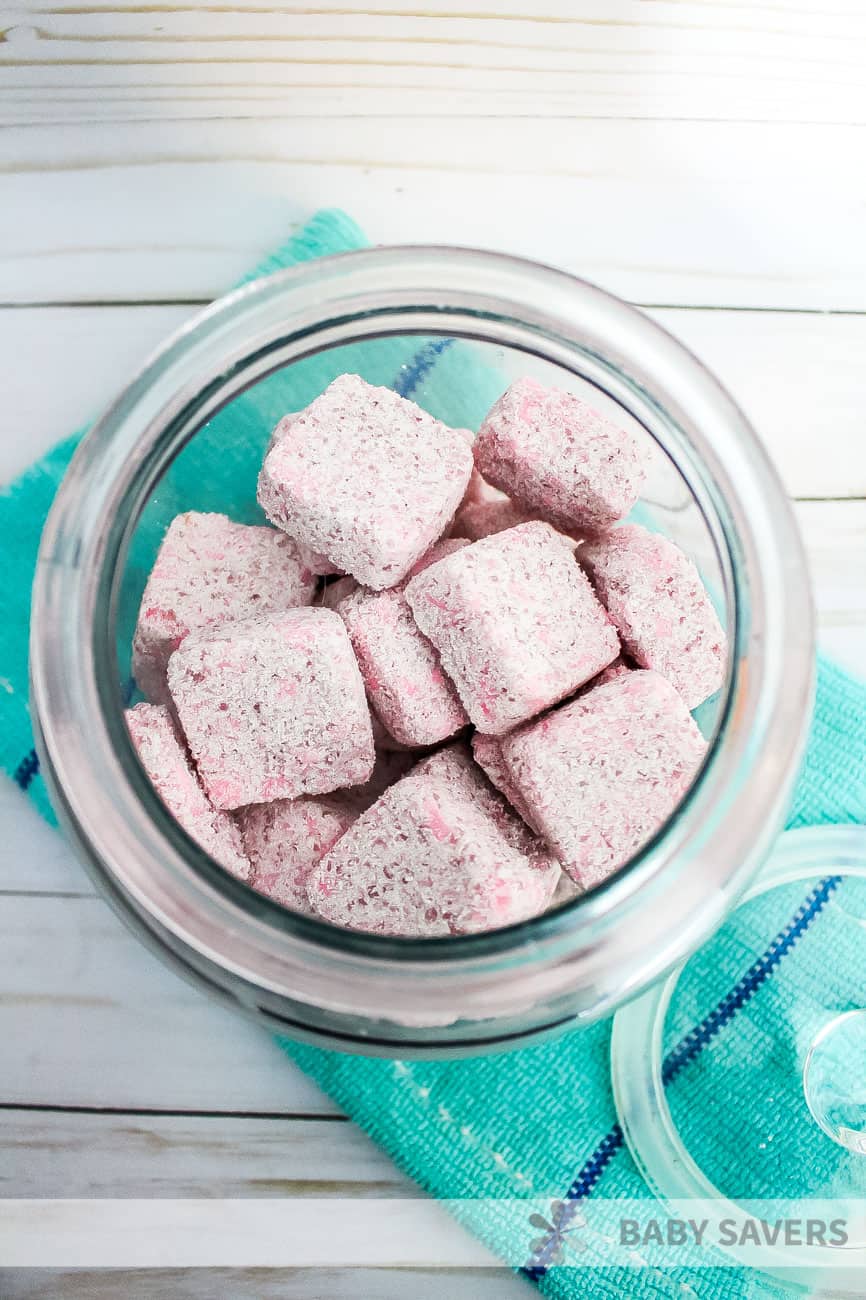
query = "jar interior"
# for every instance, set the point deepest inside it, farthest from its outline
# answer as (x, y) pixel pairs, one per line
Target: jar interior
(212, 464)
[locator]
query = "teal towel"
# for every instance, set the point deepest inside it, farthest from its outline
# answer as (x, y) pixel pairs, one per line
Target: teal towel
(538, 1124)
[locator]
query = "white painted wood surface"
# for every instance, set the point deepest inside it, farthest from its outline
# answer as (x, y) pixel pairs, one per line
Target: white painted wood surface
(615, 58)
(700, 157)
(676, 212)
(261, 1284)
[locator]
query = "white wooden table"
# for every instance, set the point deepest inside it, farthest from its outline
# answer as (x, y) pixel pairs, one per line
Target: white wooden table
(704, 158)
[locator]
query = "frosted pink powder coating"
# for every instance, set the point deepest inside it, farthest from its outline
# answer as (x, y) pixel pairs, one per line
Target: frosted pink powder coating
(405, 682)
(316, 563)
(210, 570)
(477, 519)
(455, 764)
(516, 623)
(382, 739)
(285, 839)
(165, 761)
(618, 668)
(485, 511)
(425, 860)
(366, 479)
(558, 458)
(281, 429)
(480, 492)
(487, 752)
(603, 773)
(655, 596)
(273, 708)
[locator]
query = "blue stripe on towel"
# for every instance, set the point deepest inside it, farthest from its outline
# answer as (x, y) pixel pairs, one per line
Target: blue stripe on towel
(685, 1051)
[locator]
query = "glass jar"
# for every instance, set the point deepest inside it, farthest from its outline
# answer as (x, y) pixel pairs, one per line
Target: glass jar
(449, 327)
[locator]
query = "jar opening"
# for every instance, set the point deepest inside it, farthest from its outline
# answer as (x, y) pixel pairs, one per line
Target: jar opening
(449, 328)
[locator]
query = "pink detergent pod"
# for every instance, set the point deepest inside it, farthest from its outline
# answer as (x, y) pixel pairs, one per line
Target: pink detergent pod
(480, 492)
(164, 759)
(426, 860)
(281, 429)
(273, 708)
(601, 774)
(516, 623)
(382, 739)
(316, 563)
(477, 519)
(409, 692)
(485, 511)
(366, 479)
(487, 752)
(456, 765)
(618, 668)
(655, 596)
(209, 571)
(285, 839)
(558, 458)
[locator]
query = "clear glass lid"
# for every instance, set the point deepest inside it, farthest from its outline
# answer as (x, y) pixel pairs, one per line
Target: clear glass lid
(740, 1082)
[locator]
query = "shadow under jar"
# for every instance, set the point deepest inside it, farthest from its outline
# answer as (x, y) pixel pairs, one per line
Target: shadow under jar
(449, 328)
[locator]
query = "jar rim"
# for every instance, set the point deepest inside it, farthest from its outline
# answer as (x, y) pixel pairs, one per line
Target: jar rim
(348, 297)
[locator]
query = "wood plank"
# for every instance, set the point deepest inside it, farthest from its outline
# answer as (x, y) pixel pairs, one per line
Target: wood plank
(799, 376)
(584, 57)
(91, 1018)
(835, 537)
(668, 213)
(262, 1284)
(800, 379)
(79, 1155)
(274, 1232)
(89, 354)
(34, 857)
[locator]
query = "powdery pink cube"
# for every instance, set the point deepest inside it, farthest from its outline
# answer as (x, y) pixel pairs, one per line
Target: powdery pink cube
(316, 563)
(366, 479)
(481, 493)
(604, 772)
(516, 623)
(655, 596)
(407, 688)
(285, 839)
(618, 668)
(479, 490)
(487, 752)
(164, 759)
(559, 458)
(455, 765)
(477, 519)
(273, 708)
(281, 429)
(209, 571)
(425, 860)
(382, 739)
